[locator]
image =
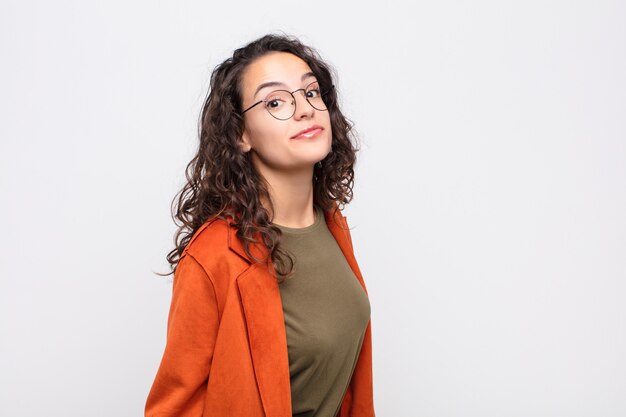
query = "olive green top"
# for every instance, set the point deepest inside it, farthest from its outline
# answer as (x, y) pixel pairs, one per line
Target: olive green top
(326, 313)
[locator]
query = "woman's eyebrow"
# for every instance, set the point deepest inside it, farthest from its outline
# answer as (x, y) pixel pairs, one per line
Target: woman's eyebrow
(279, 84)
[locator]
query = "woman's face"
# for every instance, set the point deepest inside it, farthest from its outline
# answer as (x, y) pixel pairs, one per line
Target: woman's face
(270, 140)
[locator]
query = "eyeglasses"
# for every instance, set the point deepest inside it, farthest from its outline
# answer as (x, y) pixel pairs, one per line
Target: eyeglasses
(281, 104)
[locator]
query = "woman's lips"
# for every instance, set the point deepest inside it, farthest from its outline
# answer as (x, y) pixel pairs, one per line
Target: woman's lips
(309, 134)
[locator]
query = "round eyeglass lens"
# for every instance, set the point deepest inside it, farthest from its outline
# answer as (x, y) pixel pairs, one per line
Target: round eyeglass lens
(281, 103)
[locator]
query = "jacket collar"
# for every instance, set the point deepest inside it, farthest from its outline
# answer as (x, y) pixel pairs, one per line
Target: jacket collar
(262, 306)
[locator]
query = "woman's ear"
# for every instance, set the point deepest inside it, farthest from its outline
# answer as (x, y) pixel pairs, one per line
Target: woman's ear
(245, 142)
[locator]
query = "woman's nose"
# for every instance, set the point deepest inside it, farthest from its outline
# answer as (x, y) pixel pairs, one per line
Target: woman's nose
(303, 107)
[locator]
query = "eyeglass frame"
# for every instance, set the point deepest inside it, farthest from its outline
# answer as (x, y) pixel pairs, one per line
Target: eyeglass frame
(294, 100)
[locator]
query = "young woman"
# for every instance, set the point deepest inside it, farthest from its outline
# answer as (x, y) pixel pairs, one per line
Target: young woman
(269, 313)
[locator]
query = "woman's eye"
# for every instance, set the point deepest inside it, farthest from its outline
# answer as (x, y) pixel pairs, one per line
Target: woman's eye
(273, 103)
(315, 92)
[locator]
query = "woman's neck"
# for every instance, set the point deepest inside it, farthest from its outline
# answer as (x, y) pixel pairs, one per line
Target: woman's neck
(292, 197)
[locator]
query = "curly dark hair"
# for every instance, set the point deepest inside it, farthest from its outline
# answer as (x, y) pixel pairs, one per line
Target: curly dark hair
(222, 181)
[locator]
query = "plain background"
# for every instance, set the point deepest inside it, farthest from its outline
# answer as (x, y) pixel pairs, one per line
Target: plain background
(489, 211)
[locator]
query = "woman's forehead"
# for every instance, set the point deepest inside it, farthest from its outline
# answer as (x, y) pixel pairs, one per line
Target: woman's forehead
(276, 67)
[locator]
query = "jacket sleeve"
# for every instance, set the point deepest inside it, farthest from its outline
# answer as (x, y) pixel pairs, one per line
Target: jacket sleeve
(180, 384)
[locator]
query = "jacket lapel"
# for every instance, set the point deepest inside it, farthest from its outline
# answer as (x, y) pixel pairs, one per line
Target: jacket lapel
(262, 306)
(338, 226)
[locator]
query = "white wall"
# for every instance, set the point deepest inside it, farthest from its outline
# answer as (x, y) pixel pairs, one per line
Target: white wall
(488, 217)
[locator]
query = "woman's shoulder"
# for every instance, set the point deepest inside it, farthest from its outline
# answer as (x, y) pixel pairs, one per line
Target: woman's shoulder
(211, 246)
(213, 233)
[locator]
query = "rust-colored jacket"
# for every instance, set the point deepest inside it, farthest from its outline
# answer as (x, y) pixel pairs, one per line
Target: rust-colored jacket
(226, 351)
